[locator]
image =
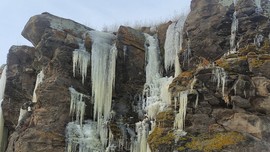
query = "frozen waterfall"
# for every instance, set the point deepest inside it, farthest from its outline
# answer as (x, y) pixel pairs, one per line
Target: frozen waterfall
(152, 56)
(39, 80)
(156, 95)
(234, 28)
(173, 45)
(104, 53)
(2, 92)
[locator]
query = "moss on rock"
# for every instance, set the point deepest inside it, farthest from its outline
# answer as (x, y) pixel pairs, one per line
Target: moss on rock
(160, 137)
(165, 119)
(212, 142)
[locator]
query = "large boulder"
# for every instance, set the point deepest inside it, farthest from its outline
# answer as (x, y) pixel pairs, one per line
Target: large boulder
(38, 25)
(43, 128)
(208, 27)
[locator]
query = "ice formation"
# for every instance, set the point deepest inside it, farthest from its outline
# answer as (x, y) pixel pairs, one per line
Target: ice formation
(141, 145)
(84, 138)
(77, 105)
(156, 87)
(258, 6)
(173, 46)
(22, 114)
(2, 92)
(220, 77)
(182, 99)
(187, 53)
(103, 59)
(39, 80)
(234, 28)
(152, 56)
(81, 60)
(156, 95)
(258, 40)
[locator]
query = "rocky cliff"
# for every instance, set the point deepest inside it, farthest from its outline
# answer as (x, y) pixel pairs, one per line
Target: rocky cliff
(219, 102)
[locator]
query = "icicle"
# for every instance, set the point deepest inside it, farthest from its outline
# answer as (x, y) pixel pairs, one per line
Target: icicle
(180, 117)
(234, 29)
(77, 105)
(39, 80)
(22, 113)
(2, 92)
(258, 6)
(125, 49)
(178, 70)
(187, 53)
(165, 93)
(81, 60)
(192, 91)
(220, 78)
(258, 40)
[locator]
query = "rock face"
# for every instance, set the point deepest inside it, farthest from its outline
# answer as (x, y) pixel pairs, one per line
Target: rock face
(227, 93)
(43, 128)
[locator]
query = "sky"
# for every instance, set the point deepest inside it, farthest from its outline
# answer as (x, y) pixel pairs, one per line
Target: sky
(96, 14)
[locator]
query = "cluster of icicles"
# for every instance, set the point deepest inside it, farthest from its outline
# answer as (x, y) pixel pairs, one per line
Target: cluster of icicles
(103, 62)
(95, 136)
(90, 135)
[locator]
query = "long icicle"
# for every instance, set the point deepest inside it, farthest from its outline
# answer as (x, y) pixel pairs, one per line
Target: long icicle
(2, 92)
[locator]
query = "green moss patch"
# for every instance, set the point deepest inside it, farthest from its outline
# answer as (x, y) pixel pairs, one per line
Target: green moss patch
(159, 137)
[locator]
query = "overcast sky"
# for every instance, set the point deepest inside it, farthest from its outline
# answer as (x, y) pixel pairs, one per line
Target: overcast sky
(96, 14)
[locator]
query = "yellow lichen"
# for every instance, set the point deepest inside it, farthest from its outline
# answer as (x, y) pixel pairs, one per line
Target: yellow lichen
(266, 47)
(245, 50)
(159, 137)
(182, 148)
(214, 142)
(255, 63)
